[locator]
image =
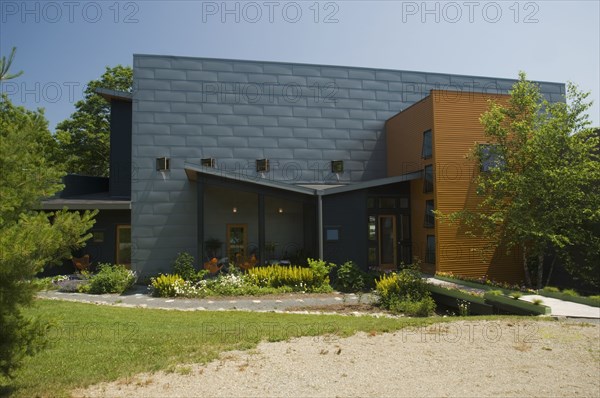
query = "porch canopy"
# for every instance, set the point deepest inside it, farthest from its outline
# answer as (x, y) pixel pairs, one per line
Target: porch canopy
(212, 182)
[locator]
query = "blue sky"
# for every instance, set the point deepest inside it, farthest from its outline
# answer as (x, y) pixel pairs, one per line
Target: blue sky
(64, 44)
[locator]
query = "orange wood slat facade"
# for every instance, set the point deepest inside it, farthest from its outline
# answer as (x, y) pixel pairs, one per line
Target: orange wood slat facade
(453, 118)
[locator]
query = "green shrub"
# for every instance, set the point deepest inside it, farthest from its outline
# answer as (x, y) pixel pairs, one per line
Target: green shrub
(595, 300)
(570, 292)
(111, 279)
(422, 308)
(551, 289)
(350, 278)
(320, 269)
(537, 301)
(184, 266)
(496, 292)
(165, 285)
(516, 295)
(296, 278)
(405, 292)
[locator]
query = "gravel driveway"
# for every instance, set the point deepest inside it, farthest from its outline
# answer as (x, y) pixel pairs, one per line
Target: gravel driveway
(460, 359)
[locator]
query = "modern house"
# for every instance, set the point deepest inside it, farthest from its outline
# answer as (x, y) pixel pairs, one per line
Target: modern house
(283, 161)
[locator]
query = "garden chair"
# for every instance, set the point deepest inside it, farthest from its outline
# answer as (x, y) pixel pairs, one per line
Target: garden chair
(82, 263)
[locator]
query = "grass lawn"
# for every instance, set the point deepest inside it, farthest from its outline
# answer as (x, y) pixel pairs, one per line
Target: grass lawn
(93, 343)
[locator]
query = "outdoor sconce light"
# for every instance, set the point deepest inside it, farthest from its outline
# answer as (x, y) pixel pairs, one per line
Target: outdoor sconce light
(280, 210)
(209, 162)
(163, 164)
(262, 165)
(337, 166)
(234, 210)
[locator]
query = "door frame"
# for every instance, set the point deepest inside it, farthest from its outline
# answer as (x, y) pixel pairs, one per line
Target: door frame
(245, 237)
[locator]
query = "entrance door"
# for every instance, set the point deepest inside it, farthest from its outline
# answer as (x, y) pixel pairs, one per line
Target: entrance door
(387, 242)
(237, 241)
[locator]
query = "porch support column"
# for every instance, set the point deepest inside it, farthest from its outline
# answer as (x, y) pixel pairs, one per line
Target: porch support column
(200, 219)
(320, 224)
(261, 228)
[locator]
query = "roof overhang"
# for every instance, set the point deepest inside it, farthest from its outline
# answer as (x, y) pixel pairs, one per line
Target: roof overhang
(114, 95)
(194, 170)
(85, 204)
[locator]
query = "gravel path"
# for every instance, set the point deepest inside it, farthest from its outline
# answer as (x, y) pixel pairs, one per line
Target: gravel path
(461, 359)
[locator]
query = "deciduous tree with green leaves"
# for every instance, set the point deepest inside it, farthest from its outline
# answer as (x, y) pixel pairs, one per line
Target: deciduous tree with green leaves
(29, 240)
(84, 138)
(542, 191)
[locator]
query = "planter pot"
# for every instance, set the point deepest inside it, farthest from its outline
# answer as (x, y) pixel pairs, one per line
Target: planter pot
(514, 306)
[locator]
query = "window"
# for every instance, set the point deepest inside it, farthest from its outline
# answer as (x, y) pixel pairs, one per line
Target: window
(97, 236)
(430, 254)
(490, 157)
(372, 230)
(387, 203)
(262, 165)
(403, 203)
(426, 152)
(124, 244)
(428, 179)
(429, 217)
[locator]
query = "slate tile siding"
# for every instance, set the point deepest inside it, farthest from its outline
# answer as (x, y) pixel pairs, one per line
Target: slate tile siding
(298, 116)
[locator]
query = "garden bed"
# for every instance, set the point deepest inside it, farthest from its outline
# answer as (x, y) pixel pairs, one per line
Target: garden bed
(472, 284)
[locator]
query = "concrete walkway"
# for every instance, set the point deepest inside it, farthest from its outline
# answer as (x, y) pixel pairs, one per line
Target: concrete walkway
(565, 308)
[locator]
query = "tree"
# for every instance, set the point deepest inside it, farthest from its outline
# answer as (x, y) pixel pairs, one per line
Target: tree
(29, 240)
(541, 193)
(5, 66)
(84, 138)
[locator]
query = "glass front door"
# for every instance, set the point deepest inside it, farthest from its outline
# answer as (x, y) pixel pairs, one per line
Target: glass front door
(387, 241)
(237, 241)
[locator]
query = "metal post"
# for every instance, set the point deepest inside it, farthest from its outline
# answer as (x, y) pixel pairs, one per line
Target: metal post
(200, 218)
(261, 228)
(320, 223)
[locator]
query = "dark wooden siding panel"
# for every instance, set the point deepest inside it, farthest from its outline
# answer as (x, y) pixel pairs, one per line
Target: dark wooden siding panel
(456, 130)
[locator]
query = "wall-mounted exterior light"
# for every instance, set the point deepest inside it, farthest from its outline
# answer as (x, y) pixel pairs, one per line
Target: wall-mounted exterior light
(234, 210)
(262, 165)
(163, 164)
(280, 210)
(337, 166)
(208, 162)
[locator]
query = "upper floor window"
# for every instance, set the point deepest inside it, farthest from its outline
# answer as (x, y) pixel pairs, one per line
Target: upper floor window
(427, 150)
(428, 179)
(490, 157)
(429, 216)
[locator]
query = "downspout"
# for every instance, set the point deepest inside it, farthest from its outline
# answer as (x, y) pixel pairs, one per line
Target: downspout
(320, 222)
